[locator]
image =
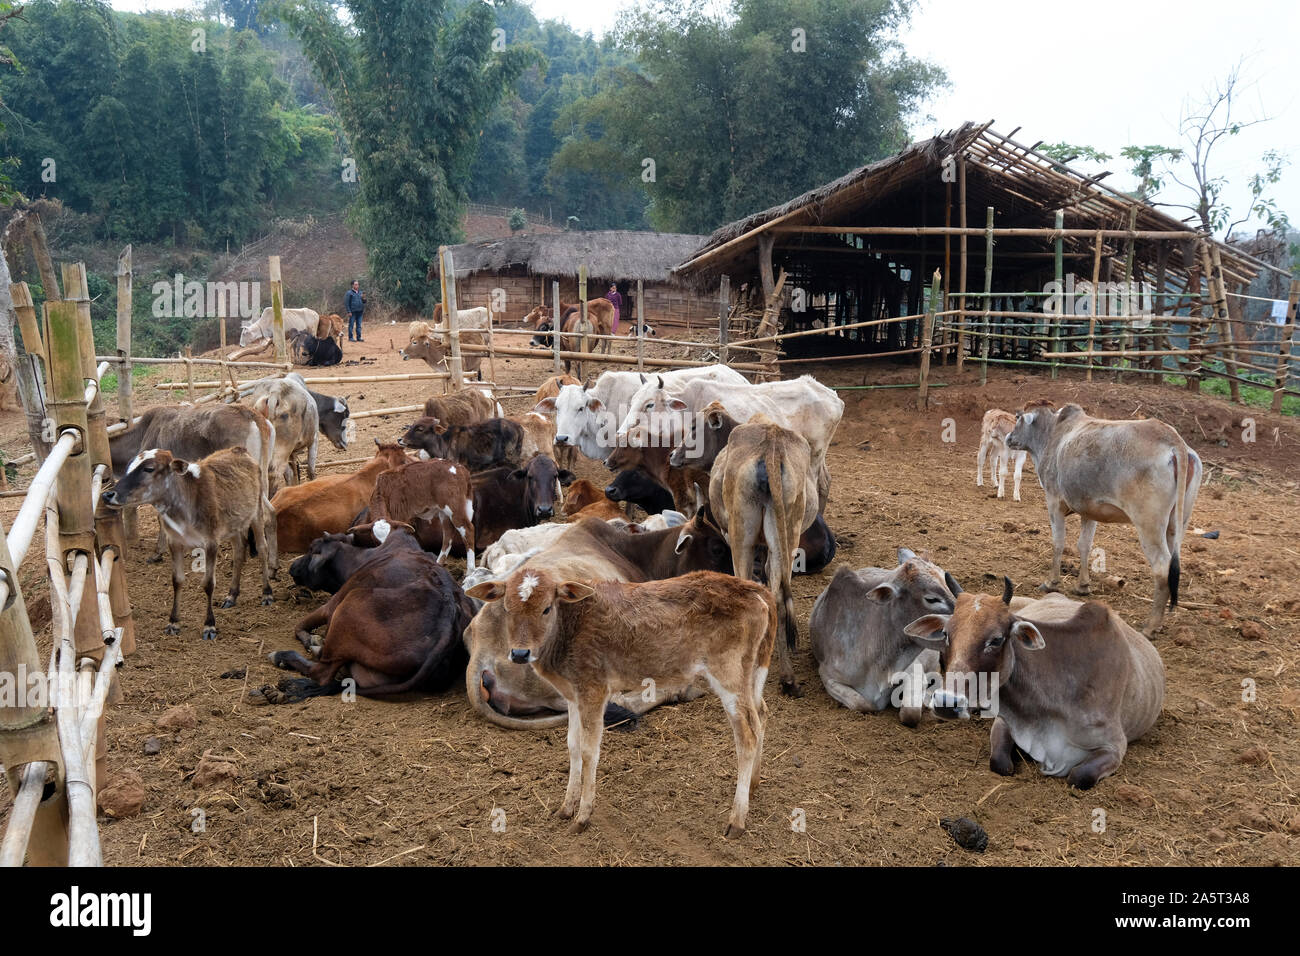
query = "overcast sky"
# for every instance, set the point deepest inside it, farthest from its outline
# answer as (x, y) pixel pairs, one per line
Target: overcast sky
(1107, 74)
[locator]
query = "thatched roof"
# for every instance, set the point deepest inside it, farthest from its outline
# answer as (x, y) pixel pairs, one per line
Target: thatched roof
(1024, 186)
(608, 254)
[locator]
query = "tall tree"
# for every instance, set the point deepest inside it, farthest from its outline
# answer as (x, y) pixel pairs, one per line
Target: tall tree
(414, 85)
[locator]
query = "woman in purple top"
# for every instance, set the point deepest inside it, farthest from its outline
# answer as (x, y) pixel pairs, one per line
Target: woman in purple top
(617, 300)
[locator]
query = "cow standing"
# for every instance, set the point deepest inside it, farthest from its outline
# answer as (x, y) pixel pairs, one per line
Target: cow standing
(590, 641)
(433, 490)
(329, 505)
(201, 505)
(997, 425)
(1136, 472)
(290, 408)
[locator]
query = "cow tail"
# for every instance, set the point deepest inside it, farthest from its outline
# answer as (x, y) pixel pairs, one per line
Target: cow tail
(1182, 475)
(780, 548)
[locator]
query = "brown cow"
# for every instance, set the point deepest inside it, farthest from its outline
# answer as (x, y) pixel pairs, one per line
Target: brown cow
(654, 462)
(433, 489)
(600, 314)
(425, 345)
(539, 434)
(488, 444)
(330, 327)
(469, 405)
(395, 625)
(593, 640)
(329, 505)
(202, 505)
(1070, 684)
(564, 454)
(585, 500)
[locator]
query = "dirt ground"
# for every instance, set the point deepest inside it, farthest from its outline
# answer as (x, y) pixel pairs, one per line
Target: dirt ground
(421, 780)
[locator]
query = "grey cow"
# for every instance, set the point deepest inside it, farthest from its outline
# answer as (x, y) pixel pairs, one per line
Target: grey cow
(857, 632)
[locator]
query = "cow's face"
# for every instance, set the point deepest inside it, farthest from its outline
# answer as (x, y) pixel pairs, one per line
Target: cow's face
(1034, 425)
(423, 435)
(543, 486)
(633, 485)
(703, 437)
(700, 544)
(148, 477)
(916, 588)
(651, 410)
(977, 647)
(393, 456)
(249, 334)
(532, 598)
(308, 570)
(423, 345)
(576, 411)
(336, 424)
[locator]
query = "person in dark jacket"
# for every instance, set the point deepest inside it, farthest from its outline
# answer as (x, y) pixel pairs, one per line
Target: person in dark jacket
(355, 303)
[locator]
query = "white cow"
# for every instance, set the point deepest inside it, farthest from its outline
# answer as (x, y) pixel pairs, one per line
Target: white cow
(588, 418)
(261, 333)
(477, 320)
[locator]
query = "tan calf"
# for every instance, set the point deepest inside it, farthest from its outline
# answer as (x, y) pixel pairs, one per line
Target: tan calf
(539, 434)
(424, 344)
(998, 424)
(591, 641)
(466, 407)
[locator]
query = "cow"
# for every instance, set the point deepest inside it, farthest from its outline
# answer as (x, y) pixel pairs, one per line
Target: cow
(433, 489)
(289, 407)
(328, 505)
(1068, 683)
(513, 696)
(479, 446)
(330, 327)
(424, 344)
(763, 490)
(564, 454)
(600, 315)
(592, 640)
(802, 405)
(632, 330)
(640, 455)
(864, 659)
(194, 432)
(330, 561)
(201, 505)
(466, 407)
(306, 349)
(1139, 472)
(478, 319)
(333, 415)
(993, 438)
(539, 434)
(394, 626)
(636, 487)
(260, 333)
(585, 500)
(588, 417)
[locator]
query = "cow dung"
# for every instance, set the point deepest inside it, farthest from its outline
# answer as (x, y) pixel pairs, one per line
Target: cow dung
(966, 833)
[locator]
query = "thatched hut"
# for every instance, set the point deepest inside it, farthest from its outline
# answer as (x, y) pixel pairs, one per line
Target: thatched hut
(517, 272)
(865, 246)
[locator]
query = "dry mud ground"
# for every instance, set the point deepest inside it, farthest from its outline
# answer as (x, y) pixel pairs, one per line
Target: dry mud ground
(417, 780)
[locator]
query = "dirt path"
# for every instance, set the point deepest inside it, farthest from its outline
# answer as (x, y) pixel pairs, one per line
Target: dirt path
(421, 780)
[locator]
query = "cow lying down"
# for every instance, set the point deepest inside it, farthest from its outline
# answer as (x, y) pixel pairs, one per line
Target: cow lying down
(394, 625)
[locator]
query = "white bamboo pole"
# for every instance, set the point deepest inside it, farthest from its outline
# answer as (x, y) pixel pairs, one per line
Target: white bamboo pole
(23, 814)
(20, 534)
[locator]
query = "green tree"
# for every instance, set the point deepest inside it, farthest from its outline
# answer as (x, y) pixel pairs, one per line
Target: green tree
(724, 114)
(414, 86)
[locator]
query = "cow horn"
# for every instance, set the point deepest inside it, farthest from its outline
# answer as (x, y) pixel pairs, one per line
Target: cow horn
(376, 441)
(699, 497)
(661, 380)
(953, 586)
(1007, 589)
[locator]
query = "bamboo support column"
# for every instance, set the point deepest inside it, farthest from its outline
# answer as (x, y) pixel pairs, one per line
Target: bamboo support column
(1284, 346)
(1195, 334)
(29, 369)
(986, 335)
(277, 309)
(927, 339)
(1092, 311)
(584, 323)
(724, 318)
(1219, 303)
(961, 282)
(1058, 264)
(125, 387)
(947, 259)
(450, 312)
(640, 327)
(555, 325)
(1126, 298)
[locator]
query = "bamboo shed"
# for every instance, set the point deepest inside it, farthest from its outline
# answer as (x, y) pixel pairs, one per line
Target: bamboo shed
(845, 270)
(512, 275)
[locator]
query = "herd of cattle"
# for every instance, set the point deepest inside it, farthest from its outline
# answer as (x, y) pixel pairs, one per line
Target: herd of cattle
(569, 613)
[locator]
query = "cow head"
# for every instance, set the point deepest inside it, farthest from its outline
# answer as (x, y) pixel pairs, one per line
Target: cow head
(316, 568)
(577, 412)
(148, 478)
(977, 646)
(636, 486)
(703, 437)
(1034, 424)
(336, 422)
(543, 485)
(423, 435)
(423, 345)
(393, 456)
(532, 598)
(653, 409)
(701, 545)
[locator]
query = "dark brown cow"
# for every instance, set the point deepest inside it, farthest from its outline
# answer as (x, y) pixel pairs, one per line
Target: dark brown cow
(201, 505)
(433, 490)
(497, 441)
(655, 463)
(424, 344)
(395, 625)
(328, 505)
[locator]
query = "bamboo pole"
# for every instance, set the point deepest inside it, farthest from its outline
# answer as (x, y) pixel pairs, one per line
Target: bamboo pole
(1058, 264)
(41, 253)
(555, 326)
(28, 369)
(947, 249)
(1219, 303)
(450, 306)
(640, 326)
(988, 288)
(1126, 278)
(125, 386)
(277, 309)
(961, 282)
(1092, 313)
(1002, 233)
(331, 379)
(224, 363)
(724, 317)
(613, 359)
(1284, 346)
(927, 338)
(584, 325)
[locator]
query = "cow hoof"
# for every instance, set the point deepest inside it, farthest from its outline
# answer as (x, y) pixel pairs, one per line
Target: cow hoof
(227, 604)
(791, 688)
(209, 633)
(733, 831)
(1048, 587)
(1082, 589)
(1004, 767)
(154, 559)
(577, 826)
(268, 600)
(172, 629)
(564, 813)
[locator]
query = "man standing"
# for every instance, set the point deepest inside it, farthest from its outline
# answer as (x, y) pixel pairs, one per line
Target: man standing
(355, 305)
(617, 301)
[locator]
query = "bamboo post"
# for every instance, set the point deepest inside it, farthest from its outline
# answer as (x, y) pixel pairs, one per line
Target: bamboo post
(277, 309)
(124, 304)
(450, 314)
(724, 317)
(988, 289)
(961, 282)
(1284, 346)
(189, 374)
(29, 369)
(44, 264)
(1092, 313)
(1058, 263)
(492, 351)
(947, 257)
(1196, 332)
(1126, 298)
(584, 325)
(555, 325)
(927, 339)
(1219, 302)
(640, 327)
